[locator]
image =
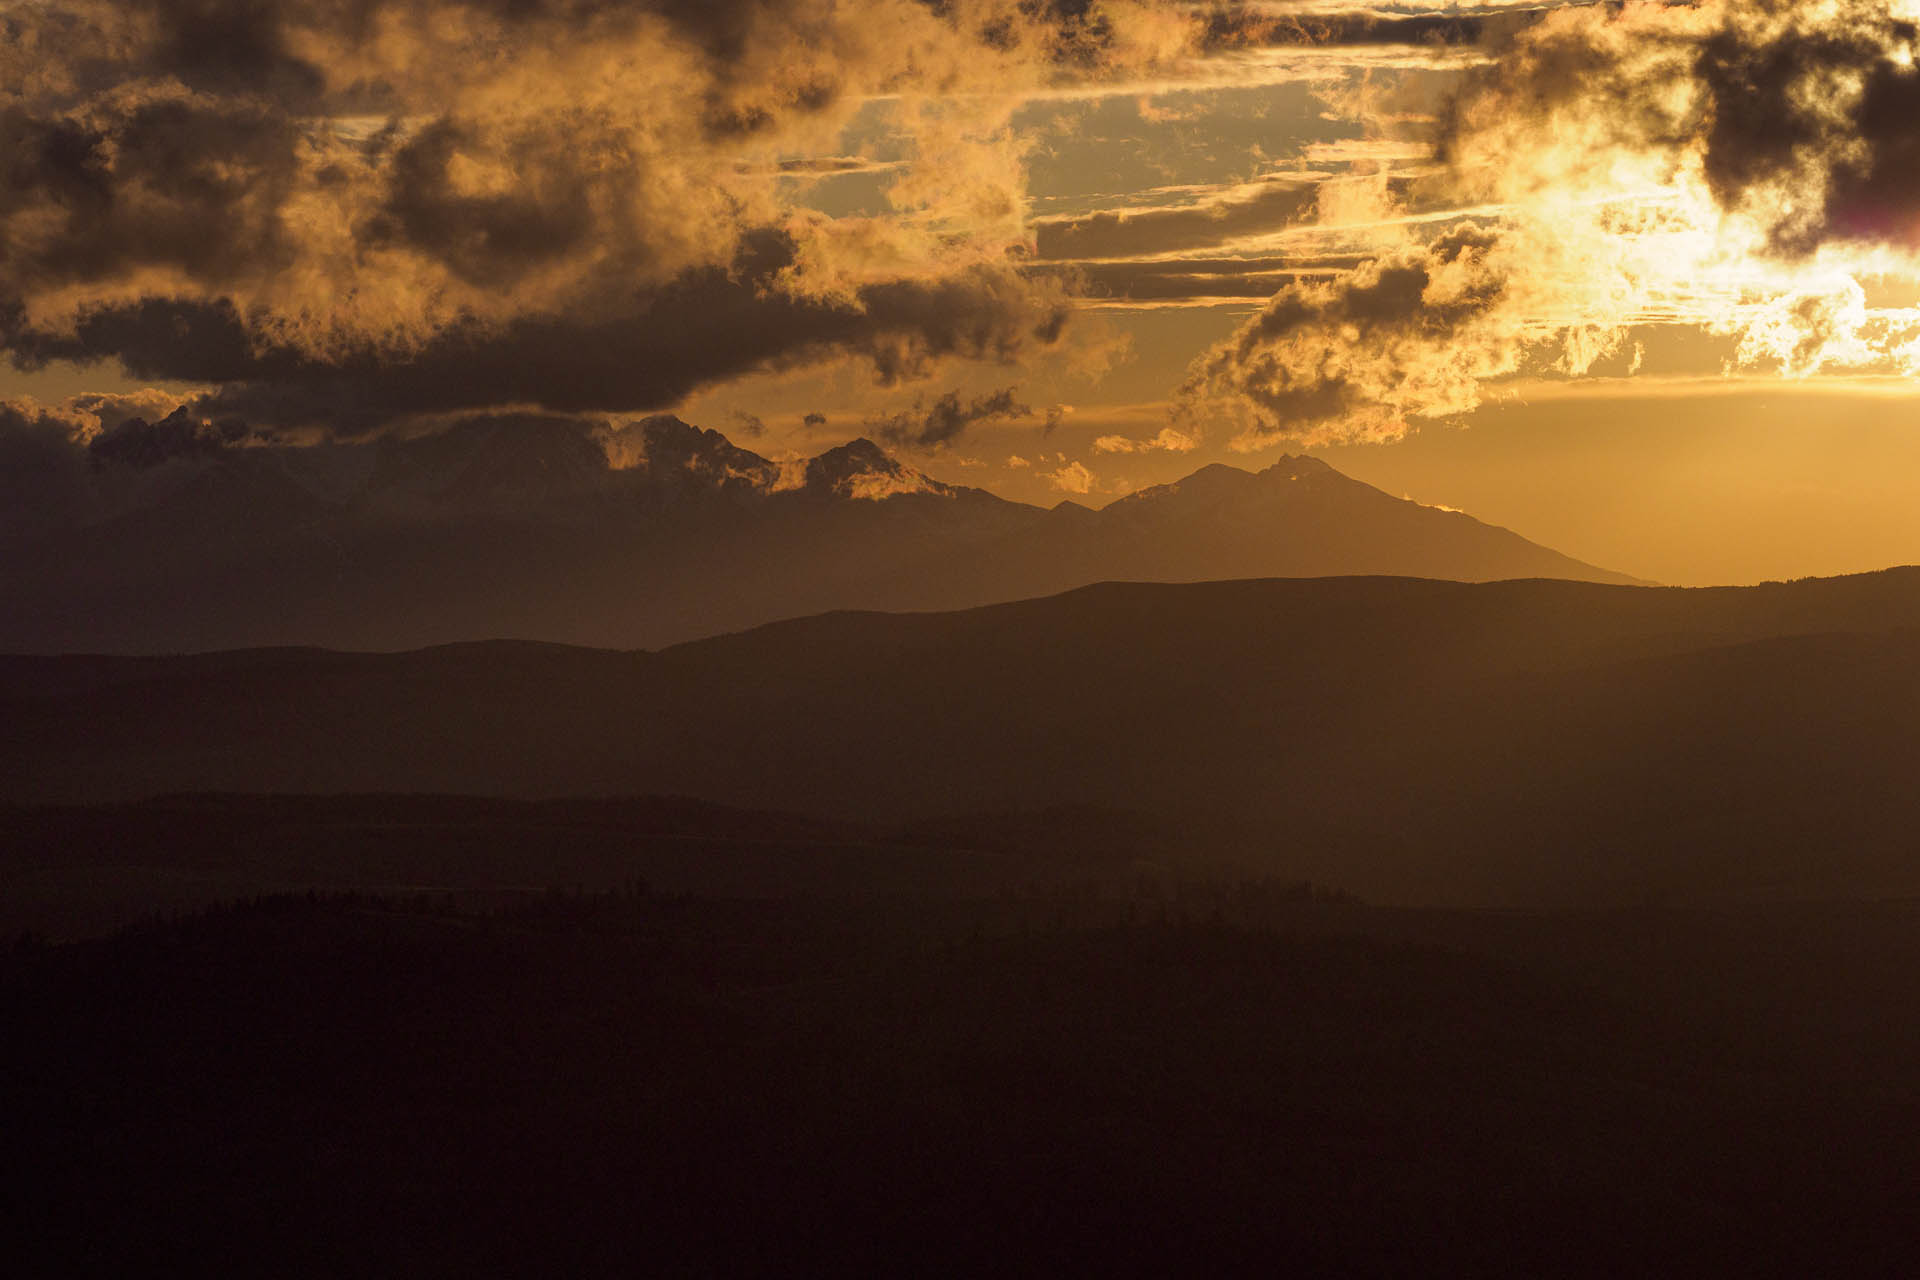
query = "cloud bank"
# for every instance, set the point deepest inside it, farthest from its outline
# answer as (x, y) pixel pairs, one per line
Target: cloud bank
(340, 214)
(337, 212)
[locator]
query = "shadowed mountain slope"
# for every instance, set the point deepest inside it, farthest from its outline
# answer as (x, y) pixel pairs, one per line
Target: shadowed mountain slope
(1408, 740)
(651, 534)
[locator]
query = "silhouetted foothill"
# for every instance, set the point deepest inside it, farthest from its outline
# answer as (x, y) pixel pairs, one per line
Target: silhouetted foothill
(1413, 741)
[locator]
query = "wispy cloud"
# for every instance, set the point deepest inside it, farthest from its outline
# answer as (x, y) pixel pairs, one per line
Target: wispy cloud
(1168, 441)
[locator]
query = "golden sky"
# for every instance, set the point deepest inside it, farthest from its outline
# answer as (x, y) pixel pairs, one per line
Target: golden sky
(1638, 280)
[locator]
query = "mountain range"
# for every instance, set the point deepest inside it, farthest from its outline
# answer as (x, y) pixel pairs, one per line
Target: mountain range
(1416, 741)
(648, 534)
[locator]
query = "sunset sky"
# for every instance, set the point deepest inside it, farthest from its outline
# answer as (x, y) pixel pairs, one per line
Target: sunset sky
(1641, 281)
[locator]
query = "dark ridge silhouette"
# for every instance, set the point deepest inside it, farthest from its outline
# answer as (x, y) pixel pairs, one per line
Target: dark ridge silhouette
(1408, 740)
(78, 871)
(521, 526)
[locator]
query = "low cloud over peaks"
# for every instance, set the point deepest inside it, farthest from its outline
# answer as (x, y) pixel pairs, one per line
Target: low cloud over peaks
(948, 418)
(137, 443)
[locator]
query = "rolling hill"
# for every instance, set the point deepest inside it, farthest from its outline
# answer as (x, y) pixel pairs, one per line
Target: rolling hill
(1408, 740)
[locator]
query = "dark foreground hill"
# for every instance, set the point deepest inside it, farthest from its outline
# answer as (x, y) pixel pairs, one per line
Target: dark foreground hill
(1410, 741)
(1167, 1080)
(525, 528)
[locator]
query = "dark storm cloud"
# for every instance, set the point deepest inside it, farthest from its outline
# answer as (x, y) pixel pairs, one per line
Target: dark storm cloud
(703, 328)
(494, 238)
(1803, 117)
(172, 182)
(1778, 108)
(232, 46)
(225, 46)
(947, 419)
(162, 339)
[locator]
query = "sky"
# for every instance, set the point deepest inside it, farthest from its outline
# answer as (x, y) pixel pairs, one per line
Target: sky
(1641, 281)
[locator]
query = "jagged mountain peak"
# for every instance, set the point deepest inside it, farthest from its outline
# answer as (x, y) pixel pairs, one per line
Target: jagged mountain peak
(666, 434)
(693, 535)
(862, 451)
(1211, 481)
(668, 451)
(862, 469)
